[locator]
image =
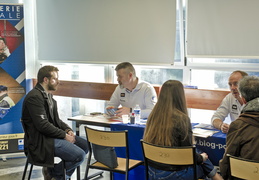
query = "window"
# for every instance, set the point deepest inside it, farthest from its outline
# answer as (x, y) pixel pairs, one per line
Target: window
(80, 72)
(206, 73)
(155, 75)
(210, 79)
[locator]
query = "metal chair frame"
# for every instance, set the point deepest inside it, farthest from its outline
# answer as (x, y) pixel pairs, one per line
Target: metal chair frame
(31, 168)
(110, 139)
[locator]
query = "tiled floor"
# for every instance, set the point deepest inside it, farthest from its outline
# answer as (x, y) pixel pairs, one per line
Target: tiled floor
(12, 169)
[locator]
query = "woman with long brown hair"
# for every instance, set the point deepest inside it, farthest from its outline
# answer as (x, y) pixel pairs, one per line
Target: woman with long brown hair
(169, 125)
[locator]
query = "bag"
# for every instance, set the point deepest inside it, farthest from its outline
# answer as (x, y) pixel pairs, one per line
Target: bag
(105, 155)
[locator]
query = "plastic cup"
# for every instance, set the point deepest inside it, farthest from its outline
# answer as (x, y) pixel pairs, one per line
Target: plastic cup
(125, 118)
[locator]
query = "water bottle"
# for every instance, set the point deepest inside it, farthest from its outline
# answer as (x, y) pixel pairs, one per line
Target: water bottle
(137, 113)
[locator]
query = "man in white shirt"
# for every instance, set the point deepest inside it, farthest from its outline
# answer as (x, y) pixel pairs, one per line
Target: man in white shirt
(131, 91)
(231, 105)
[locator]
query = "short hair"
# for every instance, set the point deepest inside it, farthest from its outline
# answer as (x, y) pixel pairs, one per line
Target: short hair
(3, 88)
(45, 71)
(248, 87)
(243, 73)
(126, 65)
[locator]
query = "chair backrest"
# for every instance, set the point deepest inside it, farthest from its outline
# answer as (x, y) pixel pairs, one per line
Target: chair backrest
(107, 138)
(169, 155)
(243, 168)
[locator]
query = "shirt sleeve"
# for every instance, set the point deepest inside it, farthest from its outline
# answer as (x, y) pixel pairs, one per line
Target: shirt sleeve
(222, 111)
(115, 98)
(150, 99)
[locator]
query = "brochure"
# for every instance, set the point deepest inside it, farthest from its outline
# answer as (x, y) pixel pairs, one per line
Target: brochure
(204, 126)
(203, 132)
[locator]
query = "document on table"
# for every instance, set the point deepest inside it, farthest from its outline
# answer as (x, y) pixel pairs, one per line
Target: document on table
(203, 132)
(143, 121)
(204, 126)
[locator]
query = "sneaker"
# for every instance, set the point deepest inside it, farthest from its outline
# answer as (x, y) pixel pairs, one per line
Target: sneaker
(46, 174)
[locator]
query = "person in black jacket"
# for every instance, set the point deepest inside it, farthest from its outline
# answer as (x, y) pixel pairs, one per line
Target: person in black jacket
(46, 136)
(169, 125)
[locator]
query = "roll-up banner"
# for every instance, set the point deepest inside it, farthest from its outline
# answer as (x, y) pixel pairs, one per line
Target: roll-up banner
(12, 77)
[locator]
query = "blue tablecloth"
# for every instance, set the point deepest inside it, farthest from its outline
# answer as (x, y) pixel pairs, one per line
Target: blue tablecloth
(214, 146)
(135, 133)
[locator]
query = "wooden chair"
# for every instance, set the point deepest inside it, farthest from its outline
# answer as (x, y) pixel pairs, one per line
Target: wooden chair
(178, 156)
(110, 139)
(243, 168)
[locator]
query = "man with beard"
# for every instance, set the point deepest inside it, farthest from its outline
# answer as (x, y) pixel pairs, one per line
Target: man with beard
(231, 105)
(131, 91)
(46, 136)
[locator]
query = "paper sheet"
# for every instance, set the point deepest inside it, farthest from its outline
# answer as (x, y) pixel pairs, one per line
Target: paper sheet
(203, 132)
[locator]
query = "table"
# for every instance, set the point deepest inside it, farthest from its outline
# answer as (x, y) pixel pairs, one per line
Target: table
(214, 146)
(95, 120)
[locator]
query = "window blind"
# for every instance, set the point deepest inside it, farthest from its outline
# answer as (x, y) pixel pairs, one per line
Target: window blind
(106, 31)
(222, 28)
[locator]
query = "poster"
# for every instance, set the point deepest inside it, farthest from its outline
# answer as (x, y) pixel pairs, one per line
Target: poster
(12, 77)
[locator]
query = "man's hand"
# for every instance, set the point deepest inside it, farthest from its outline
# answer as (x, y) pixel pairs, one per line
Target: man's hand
(219, 124)
(224, 127)
(204, 156)
(110, 107)
(70, 138)
(71, 133)
(111, 111)
(122, 110)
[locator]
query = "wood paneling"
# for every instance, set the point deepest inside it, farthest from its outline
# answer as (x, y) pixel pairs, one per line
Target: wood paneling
(196, 98)
(204, 99)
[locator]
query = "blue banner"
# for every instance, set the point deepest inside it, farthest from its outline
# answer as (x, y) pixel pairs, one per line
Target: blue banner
(11, 12)
(12, 77)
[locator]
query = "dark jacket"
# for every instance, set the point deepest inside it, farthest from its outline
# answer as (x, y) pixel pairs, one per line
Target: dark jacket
(41, 125)
(242, 137)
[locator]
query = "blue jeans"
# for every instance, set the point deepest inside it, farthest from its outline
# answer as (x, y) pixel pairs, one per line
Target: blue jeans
(72, 154)
(208, 168)
(185, 174)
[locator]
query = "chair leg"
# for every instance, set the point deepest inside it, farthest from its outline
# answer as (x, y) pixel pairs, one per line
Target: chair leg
(64, 169)
(146, 173)
(25, 169)
(127, 175)
(94, 175)
(29, 177)
(111, 175)
(86, 172)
